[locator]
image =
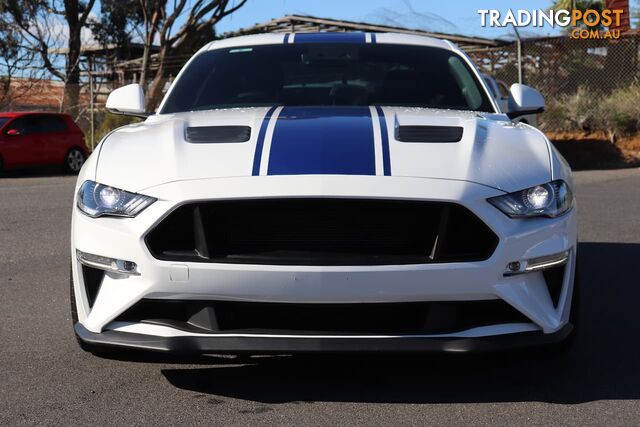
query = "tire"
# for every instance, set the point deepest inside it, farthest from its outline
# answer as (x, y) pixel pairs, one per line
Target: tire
(73, 161)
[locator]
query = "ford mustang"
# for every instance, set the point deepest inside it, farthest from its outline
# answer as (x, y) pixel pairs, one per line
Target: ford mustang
(324, 192)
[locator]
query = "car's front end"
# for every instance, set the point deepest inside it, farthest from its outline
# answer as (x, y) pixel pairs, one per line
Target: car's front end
(323, 228)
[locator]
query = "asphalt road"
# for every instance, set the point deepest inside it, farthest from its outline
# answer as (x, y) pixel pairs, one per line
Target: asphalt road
(46, 379)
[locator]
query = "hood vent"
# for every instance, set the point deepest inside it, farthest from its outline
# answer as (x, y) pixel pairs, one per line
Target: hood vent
(218, 134)
(429, 133)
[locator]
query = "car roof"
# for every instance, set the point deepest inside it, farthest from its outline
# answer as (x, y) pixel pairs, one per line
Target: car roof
(29, 113)
(285, 38)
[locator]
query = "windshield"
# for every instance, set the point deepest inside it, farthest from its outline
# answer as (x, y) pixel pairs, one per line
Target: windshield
(327, 74)
(3, 120)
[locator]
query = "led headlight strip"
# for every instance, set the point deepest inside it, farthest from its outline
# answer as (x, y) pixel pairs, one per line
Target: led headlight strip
(108, 264)
(536, 264)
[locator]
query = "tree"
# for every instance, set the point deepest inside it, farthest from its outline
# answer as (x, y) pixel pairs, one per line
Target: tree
(37, 21)
(581, 5)
(155, 21)
(14, 62)
(123, 20)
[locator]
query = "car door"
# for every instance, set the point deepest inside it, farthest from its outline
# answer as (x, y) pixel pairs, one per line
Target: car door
(54, 138)
(20, 147)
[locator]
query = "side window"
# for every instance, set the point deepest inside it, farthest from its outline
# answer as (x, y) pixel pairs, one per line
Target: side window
(504, 90)
(491, 87)
(20, 124)
(48, 124)
(466, 81)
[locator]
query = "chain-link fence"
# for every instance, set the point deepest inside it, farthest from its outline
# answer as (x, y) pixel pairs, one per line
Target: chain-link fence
(588, 84)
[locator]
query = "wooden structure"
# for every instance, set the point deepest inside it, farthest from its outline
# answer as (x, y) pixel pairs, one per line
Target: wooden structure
(304, 23)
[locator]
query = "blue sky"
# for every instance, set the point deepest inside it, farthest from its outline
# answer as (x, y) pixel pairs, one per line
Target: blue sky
(447, 16)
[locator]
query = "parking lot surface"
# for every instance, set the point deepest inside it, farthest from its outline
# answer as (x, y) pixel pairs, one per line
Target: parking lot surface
(46, 379)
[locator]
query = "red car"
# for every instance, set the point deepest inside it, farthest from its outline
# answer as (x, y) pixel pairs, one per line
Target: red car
(38, 139)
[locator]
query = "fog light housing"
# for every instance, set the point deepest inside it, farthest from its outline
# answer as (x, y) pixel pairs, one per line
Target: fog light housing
(536, 264)
(108, 264)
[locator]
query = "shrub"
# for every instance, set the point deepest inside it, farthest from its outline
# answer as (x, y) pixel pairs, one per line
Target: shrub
(579, 111)
(554, 117)
(616, 113)
(110, 122)
(621, 110)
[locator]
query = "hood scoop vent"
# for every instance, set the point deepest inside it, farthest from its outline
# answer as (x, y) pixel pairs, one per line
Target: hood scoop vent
(217, 134)
(429, 133)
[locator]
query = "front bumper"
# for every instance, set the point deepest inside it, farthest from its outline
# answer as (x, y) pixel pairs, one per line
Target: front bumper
(468, 281)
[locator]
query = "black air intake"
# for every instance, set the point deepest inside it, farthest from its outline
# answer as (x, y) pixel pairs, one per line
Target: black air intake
(554, 278)
(92, 281)
(218, 134)
(429, 133)
(322, 232)
(211, 317)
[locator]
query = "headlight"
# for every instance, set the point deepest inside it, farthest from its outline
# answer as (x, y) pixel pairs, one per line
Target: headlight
(101, 200)
(551, 199)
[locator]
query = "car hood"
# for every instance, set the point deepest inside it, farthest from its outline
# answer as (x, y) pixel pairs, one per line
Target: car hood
(328, 141)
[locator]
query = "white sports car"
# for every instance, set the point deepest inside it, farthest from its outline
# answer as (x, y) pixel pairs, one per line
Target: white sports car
(324, 192)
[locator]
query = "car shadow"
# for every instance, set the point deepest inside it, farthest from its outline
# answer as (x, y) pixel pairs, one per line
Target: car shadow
(604, 362)
(594, 154)
(39, 172)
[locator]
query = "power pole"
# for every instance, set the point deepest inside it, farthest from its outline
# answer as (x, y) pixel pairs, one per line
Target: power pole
(519, 53)
(91, 108)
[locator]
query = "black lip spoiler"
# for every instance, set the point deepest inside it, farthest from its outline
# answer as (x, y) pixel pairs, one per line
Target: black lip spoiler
(287, 344)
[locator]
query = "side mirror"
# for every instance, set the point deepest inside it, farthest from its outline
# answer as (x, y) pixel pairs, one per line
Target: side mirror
(524, 100)
(13, 132)
(127, 100)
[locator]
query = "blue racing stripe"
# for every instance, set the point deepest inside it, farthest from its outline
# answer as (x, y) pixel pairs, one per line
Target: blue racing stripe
(386, 160)
(373, 37)
(329, 38)
(260, 143)
(286, 38)
(323, 140)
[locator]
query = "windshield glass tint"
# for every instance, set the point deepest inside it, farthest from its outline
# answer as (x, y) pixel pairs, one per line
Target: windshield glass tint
(327, 74)
(3, 120)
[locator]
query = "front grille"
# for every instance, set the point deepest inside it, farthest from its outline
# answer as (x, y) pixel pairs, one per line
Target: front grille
(361, 318)
(322, 232)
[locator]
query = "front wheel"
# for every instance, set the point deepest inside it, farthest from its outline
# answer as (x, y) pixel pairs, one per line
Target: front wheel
(74, 160)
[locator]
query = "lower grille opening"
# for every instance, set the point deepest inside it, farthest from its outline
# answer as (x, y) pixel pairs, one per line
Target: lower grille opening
(554, 277)
(92, 280)
(322, 232)
(290, 318)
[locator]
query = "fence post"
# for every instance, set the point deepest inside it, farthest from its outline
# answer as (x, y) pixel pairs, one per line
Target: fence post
(91, 108)
(519, 53)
